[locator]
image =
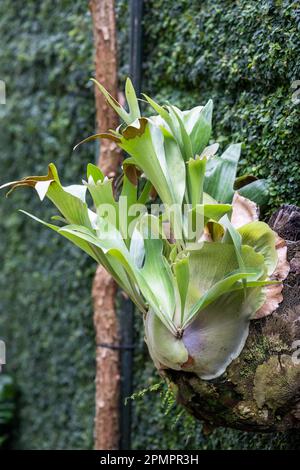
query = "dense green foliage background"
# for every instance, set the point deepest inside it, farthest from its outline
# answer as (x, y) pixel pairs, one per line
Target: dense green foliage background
(242, 54)
(45, 304)
(7, 409)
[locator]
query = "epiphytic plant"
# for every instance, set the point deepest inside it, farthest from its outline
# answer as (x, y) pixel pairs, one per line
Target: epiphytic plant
(202, 266)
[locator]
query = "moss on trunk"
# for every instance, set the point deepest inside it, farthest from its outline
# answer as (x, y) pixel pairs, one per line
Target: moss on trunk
(260, 390)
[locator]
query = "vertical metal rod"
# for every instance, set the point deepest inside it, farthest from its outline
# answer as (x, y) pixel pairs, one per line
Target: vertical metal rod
(126, 354)
(136, 43)
(127, 311)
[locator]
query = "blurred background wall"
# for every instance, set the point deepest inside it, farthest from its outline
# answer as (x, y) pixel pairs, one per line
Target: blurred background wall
(242, 54)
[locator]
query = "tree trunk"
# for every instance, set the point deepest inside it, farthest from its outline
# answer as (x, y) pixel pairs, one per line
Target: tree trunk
(260, 390)
(104, 288)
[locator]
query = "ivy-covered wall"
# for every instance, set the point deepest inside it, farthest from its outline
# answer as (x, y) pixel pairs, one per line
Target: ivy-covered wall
(244, 55)
(45, 283)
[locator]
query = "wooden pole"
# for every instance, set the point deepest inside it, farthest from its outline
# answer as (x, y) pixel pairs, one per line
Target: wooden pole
(104, 288)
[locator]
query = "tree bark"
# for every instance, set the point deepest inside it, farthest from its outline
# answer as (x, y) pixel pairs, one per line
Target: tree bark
(260, 390)
(104, 288)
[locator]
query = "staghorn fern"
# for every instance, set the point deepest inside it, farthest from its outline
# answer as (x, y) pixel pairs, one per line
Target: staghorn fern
(203, 266)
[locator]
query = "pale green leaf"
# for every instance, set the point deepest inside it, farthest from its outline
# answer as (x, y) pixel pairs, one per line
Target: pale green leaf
(164, 347)
(220, 174)
(95, 172)
(182, 275)
(259, 236)
(233, 235)
(198, 124)
(134, 110)
(196, 173)
(146, 145)
(219, 332)
(158, 277)
(113, 103)
(213, 263)
(221, 287)
(256, 191)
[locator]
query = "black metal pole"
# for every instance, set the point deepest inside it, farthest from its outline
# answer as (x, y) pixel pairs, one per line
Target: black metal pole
(126, 351)
(136, 43)
(127, 310)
